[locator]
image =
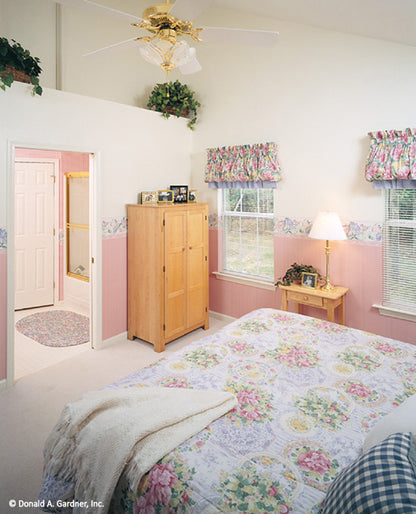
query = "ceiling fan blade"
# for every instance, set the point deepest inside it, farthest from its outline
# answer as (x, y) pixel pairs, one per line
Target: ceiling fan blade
(92, 6)
(128, 43)
(192, 66)
(239, 36)
(189, 9)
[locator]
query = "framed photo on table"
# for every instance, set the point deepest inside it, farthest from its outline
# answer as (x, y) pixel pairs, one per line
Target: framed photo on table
(180, 194)
(310, 280)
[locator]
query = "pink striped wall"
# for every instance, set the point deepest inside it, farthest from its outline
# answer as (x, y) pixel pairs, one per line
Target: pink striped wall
(3, 313)
(354, 264)
(114, 308)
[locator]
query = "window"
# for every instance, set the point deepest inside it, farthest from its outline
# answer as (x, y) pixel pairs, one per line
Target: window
(399, 289)
(248, 232)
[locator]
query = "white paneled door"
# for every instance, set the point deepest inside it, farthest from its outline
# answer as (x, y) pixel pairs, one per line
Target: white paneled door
(34, 234)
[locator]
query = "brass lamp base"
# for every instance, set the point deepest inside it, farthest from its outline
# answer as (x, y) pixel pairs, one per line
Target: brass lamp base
(328, 286)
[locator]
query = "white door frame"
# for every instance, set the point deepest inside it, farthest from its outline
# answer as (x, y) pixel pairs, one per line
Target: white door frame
(56, 218)
(95, 240)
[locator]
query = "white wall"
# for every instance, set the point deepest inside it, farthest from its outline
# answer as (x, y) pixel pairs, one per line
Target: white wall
(139, 150)
(136, 150)
(317, 94)
(33, 25)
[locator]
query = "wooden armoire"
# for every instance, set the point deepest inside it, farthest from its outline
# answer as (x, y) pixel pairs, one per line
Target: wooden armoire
(167, 271)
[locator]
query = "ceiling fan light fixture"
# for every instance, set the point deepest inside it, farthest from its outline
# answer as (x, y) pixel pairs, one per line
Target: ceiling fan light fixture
(165, 54)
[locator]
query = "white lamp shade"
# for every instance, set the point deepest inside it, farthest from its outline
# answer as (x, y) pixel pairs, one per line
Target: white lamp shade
(327, 225)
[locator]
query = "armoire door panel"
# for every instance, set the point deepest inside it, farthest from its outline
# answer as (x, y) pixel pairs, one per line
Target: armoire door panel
(196, 306)
(175, 315)
(196, 266)
(195, 227)
(175, 268)
(175, 299)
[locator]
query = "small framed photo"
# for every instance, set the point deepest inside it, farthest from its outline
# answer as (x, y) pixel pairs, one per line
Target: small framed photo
(192, 195)
(180, 194)
(165, 196)
(310, 280)
(149, 197)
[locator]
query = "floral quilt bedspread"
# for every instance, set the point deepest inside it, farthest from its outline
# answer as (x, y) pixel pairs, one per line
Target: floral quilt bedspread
(308, 391)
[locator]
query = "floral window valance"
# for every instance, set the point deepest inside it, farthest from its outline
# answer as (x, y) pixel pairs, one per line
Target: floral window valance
(391, 162)
(250, 166)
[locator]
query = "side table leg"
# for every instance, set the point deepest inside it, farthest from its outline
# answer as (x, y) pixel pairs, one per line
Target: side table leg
(284, 300)
(331, 312)
(297, 309)
(341, 313)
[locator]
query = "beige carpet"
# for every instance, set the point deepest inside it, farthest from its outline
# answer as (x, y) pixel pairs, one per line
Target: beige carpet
(31, 407)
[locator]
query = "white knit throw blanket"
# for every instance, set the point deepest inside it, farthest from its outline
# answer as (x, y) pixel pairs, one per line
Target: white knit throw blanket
(103, 432)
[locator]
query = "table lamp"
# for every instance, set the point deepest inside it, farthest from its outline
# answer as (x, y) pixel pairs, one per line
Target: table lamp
(327, 226)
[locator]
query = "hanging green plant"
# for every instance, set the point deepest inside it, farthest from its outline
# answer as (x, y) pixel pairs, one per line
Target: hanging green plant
(294, 274)
(16, 63)
(174, 98)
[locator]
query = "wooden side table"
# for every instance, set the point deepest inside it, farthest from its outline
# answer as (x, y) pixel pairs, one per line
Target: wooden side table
(328, 300)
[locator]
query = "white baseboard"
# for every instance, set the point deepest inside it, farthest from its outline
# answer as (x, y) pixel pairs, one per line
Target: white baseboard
(75, 302)
(222, 317)
(3, 384)
(112, 340)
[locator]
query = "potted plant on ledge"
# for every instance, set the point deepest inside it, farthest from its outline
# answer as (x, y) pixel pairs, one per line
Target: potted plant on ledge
(174, 98)
(16, 63)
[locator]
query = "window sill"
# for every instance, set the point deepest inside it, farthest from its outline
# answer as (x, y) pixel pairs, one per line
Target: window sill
(395, 313)
(238, 279)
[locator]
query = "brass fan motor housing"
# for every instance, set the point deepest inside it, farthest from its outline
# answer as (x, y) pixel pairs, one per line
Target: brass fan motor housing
(158, 21)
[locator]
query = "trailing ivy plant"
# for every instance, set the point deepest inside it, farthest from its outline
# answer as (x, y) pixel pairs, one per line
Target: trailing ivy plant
(15, 56)
(176, 99)
(294, 274)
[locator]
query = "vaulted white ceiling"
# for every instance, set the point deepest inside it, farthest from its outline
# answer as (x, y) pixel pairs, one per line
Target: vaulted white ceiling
(392, 20)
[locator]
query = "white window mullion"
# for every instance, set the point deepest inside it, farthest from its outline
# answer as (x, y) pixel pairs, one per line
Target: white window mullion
(399, 268)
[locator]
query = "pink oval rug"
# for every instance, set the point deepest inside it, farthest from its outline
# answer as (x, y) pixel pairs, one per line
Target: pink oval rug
(56, 328)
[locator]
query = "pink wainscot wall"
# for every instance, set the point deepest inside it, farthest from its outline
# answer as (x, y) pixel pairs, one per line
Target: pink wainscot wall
(114, 252)
(3, 313)
(353, 264)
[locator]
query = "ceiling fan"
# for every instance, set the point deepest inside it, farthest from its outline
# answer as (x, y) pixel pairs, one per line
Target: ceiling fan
(167, 25)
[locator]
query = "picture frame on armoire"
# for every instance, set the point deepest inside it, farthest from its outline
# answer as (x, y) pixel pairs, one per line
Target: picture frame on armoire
(165, 196)
(149, 197)
(192, 195)
(180, 194)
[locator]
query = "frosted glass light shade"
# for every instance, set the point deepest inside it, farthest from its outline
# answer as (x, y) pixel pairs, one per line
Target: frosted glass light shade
(327, 225)
(161, 51)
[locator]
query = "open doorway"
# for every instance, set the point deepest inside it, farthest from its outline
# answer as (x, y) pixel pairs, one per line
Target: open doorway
(53, 248)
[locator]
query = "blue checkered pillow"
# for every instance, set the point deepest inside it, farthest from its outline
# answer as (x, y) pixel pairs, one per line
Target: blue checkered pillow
(381, 481)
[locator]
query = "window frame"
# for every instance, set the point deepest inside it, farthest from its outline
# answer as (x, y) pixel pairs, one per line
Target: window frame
(391, 305)
(241, 276)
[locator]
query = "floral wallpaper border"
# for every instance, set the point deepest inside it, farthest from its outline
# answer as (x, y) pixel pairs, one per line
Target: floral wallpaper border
(355, 231)
(114, 227)
(365, 232)
(110, 227)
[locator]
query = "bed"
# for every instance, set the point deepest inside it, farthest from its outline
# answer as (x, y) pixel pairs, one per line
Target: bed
(308, 392)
